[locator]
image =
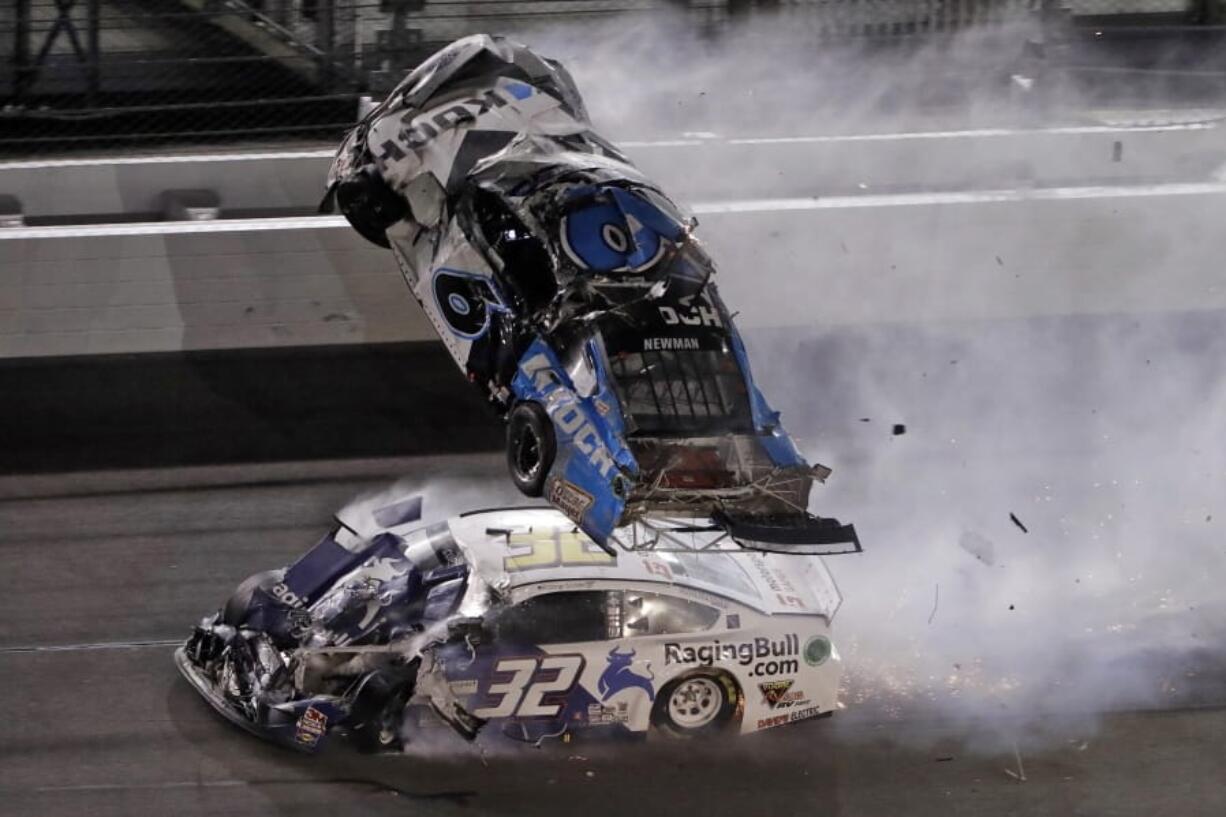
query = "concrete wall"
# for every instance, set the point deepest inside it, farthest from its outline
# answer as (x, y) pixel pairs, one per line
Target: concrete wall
(164, 293)
(912, 262)
(798, 240)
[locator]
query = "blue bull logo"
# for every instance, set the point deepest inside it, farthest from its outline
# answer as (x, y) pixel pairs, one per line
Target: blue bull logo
(620, 674)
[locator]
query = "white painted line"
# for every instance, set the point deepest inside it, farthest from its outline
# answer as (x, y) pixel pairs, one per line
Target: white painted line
(151, 228)
(968, 134)
(242, 225)
(704, 139)
(104, 645)
(193, 158)
(965, 197)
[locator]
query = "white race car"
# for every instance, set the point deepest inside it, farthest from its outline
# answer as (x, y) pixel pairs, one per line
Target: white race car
(514, 616)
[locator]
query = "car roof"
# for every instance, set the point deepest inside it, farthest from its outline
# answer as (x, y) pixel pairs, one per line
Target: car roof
(513, 548)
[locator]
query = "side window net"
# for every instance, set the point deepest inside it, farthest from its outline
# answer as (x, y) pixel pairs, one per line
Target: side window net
(686, 392)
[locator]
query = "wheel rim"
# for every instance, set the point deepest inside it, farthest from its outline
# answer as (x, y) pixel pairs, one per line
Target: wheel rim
(527, 453)
(695, 703)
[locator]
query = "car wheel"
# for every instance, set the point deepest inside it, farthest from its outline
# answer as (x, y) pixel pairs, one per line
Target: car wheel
(381, 730)
(697, 704)
(381, 734)
(530, 447)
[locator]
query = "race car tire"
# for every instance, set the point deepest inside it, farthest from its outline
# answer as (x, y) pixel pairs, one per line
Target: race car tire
(235, 611)
(698, 704)
(380, 704)
(531, 447)
(383, 732)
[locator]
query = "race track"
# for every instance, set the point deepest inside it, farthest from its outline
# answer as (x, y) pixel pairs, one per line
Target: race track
(101, 573)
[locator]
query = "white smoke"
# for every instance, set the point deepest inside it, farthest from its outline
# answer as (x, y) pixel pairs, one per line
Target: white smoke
(1105, 436)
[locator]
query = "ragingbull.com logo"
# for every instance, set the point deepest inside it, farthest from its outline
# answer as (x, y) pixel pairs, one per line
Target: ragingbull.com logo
(762, 655)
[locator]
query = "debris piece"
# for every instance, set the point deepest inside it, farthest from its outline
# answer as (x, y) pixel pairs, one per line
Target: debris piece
(899, 429)
(865, 420)
(1018, 522)
(944, 759)
(589, 773)
(999, 263)
(1010, 606)
(979, 547)
(936, 599)
(1117, 150)
(1021, 770)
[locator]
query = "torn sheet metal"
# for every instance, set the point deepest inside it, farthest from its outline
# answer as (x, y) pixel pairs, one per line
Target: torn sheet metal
(572, 292)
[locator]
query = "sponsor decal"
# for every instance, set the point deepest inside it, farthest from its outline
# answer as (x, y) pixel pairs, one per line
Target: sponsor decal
(568, 417)
(601, 406)
(780, 695)
(417, 134)
(701, 315)
(798, 715)
(817, 650)
(778, 583)
(283, 594)
(670, 344)
(463, 688)
(600, 714)
(462, 298)
(734, 621)
(619, 674)
(311, 726)
(761, 656)
(569, 498)
(658, 568)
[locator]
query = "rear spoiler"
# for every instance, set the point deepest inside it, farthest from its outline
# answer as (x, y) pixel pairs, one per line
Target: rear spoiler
(799, 534)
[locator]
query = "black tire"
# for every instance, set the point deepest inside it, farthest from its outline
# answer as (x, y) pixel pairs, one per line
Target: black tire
(383, 728)
(698, 704)
(235, 611)
(531, 447)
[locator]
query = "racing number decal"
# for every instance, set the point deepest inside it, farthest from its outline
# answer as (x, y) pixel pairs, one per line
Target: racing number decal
(552, 678)
(508, 693)
(556, 548)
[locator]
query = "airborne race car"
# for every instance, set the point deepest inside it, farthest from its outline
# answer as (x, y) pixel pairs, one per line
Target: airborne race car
(515, 617)
(572, 292)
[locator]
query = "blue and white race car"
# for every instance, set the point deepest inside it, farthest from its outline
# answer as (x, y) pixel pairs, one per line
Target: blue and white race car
(573, 292)
(516, 618)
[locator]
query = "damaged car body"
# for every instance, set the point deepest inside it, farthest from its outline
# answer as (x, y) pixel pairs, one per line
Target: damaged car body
(515, 618)
(573, 293)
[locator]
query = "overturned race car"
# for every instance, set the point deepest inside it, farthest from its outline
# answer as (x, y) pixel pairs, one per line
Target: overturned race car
(573, 293)
(516, 618)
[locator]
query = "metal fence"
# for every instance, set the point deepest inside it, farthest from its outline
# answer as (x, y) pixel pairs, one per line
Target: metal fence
(83, 73)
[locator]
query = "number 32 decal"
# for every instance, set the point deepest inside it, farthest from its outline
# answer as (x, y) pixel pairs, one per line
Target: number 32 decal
(530, 687)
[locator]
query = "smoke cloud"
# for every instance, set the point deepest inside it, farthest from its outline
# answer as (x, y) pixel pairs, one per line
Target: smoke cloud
(1095, 419)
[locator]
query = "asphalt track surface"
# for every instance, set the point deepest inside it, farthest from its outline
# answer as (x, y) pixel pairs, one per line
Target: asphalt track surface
(101, 573)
